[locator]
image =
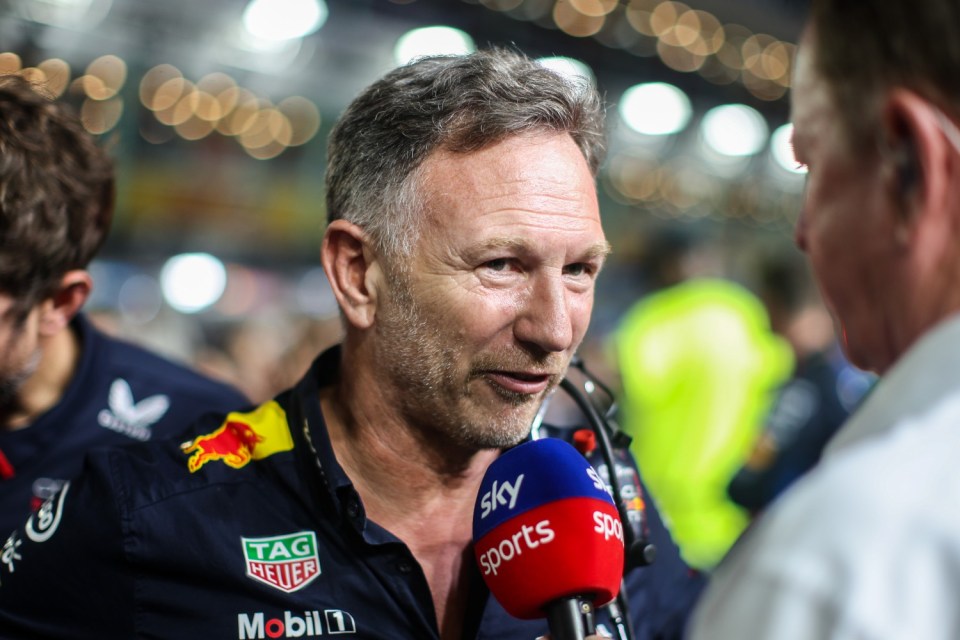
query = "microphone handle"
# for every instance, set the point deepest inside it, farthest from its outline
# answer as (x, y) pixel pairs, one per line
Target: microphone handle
(570, 618)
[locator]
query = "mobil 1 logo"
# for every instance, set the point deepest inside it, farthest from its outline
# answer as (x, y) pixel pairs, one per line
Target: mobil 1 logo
(260, 625)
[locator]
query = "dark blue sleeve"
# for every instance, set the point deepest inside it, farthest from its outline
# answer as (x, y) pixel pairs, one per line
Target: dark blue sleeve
(63, 574)
(804, 417)
(662, 594)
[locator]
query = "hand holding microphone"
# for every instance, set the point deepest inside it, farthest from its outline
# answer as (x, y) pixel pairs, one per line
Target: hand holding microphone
(547, 537)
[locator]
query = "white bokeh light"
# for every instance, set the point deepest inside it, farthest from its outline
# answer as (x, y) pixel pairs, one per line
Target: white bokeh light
(781, 148)
(734, 130)
(432, 41)
(191, 282)
(655, 108)
(568, 67)
(71, 14)
(277, 20)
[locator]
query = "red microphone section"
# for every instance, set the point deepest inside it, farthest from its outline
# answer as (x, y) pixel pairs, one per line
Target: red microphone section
(546, 529)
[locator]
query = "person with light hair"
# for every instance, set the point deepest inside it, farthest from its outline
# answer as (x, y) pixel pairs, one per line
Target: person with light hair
(866, 544)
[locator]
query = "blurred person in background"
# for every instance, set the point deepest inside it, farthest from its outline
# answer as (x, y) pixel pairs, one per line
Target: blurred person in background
(463, 245)
(822, 392)
(65, 386)
(312, 335)
(699, 365)
(866, 545)
(265, 355)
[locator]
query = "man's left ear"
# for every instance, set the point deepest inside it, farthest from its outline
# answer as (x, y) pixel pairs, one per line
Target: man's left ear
(60, 308)
(919, 160)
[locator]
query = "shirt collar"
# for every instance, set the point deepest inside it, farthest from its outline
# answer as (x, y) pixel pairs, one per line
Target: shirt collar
(312, 429)
(337, 490)
(924, 374)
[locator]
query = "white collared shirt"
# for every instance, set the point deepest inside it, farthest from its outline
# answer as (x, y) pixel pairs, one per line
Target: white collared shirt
(867, 545)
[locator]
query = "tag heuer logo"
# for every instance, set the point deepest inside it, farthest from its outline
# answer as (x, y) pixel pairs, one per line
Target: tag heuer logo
(287, 562)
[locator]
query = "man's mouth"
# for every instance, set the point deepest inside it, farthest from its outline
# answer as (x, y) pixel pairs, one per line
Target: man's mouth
(520, 382)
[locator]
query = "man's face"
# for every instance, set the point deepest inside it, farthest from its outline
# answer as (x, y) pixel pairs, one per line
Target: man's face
(847, 224)
(19, 351)
(498, 293)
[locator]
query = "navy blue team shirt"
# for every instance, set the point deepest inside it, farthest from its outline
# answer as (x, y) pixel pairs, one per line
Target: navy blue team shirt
(251, 529)
(809, 409)
(119, 394)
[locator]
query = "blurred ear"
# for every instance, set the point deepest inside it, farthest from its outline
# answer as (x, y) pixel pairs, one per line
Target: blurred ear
(920, 162)
(58, 310)
(353, 270)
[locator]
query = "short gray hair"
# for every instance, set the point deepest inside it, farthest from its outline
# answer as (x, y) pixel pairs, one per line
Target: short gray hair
(456, 103)
(866, 47)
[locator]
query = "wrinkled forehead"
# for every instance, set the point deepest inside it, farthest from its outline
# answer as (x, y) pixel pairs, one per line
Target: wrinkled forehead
(548, 166)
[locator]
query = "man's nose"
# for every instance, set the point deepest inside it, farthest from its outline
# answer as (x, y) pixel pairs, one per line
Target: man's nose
(544, 319)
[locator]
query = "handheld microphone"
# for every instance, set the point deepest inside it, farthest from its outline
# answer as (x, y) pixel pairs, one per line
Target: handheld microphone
(547, 536)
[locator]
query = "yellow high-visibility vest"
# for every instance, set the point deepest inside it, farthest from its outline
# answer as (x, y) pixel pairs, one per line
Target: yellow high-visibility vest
(699, 367)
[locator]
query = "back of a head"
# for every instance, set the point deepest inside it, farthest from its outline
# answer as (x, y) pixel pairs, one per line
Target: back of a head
(56, 192)
(785, 285)
(863, 47)
(456, 103)
(674, 255)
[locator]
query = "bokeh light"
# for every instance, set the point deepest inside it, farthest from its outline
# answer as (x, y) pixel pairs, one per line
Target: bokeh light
(279, 20)
(432, 41)
(191, 282)
(655, 108)
(781, 148)
(568, 67)
(734, 130)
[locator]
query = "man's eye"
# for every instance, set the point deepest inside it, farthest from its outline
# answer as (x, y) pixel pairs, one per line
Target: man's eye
(500, 264)
(577, 269)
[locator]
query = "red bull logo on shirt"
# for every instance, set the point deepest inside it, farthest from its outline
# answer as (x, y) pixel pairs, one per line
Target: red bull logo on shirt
(286, 562)
(241, 438)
